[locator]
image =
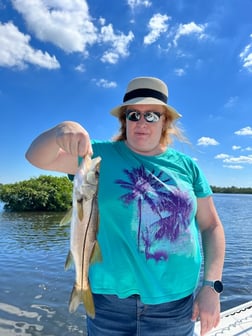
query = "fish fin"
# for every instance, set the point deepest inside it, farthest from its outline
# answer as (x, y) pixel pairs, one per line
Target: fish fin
(75, 299)
(85, 296)
(96, 254)
(88, 302)
(80, 210)
(69, 260)
(67, 218)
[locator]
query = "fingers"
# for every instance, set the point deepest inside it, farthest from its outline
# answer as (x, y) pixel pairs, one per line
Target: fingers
(73, 139)
(77, 145)
(204, 328)
(84, 147)
(195, 313)
(217, 321)
(206, 308)
(207, 323)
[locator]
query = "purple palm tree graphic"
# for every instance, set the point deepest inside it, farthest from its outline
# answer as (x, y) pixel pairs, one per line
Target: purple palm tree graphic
(166, 201)
(142, 186)
(179, 207)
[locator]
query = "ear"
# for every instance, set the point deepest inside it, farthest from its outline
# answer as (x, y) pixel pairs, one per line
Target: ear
(166, 124)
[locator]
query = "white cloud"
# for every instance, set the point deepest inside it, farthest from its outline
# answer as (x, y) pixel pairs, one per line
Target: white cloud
(236, 147)
(68, 25)
(179, 72)
(190, 29)
(120, 44)
(111, 57)
(239, 159)
(244, 131)
(246, 149)
(233, 166)
(105, 83)
(205, 141)
(233, 162)
(80, 68)
(222, 156)
(157, 25)
(16, 52)
(231, 102)
(102, 21)
(64, 23)
(246, 56)
(136, 3)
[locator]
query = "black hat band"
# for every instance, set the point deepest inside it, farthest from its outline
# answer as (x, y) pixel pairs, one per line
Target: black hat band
(145, 93)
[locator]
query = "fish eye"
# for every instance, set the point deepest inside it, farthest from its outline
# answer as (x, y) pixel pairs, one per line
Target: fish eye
(91, 177)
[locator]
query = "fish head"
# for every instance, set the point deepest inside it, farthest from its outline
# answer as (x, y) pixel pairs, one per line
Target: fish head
(92, 175)
(90, 184)
(86, 179)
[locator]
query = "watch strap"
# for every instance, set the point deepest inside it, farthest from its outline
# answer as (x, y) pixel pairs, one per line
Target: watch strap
(216, 285)
(208, 283)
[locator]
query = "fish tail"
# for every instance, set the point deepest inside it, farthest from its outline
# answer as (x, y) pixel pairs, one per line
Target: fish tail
(85, 296)
(88, 302)
(75, 299)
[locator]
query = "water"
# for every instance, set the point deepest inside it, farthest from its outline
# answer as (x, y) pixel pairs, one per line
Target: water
(35, 289)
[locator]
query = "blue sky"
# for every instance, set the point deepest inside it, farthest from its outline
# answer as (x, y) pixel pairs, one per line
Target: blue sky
(72, 59)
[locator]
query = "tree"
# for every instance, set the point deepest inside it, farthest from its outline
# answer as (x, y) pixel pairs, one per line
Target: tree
(232, 190)
(45, 193)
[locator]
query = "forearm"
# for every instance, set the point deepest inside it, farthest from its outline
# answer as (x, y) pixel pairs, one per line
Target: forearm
(213, 239)
(58, 148)
(44, 149)
(207, 302)
(213, 242)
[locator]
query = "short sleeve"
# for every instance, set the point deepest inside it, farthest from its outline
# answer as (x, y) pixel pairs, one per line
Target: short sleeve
(200, 183)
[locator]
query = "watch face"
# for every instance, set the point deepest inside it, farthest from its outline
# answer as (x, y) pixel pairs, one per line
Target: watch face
(218, 286)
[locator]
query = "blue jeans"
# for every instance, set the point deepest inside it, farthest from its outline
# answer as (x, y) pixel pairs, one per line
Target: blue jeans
(130, 317)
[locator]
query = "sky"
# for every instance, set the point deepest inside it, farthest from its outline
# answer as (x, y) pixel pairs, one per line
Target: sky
(72, 59)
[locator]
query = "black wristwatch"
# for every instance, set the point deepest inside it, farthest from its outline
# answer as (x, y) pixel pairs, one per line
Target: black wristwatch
(216, 285)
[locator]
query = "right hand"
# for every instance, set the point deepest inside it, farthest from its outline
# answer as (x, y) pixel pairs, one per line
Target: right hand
(72, 138)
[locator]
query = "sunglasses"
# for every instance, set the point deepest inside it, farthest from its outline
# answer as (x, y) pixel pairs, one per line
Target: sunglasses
(150, 117)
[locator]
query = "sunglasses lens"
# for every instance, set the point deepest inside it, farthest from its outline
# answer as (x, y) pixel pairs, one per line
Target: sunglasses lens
(150, 117)
(133, 115)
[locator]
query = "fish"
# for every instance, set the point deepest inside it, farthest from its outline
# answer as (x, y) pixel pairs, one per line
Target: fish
(84, 247)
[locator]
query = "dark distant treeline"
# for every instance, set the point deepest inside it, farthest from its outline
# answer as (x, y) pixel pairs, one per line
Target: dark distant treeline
(231, 190)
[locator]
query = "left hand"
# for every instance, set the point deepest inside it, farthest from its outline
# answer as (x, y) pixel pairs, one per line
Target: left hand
(207, 308)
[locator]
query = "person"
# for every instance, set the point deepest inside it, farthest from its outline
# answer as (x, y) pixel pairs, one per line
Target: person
(153, 203)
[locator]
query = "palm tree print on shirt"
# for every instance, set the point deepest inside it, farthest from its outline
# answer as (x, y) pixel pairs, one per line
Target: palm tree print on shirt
(163, 210)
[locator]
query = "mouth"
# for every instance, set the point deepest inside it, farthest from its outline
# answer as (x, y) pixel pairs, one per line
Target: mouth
(141, 134)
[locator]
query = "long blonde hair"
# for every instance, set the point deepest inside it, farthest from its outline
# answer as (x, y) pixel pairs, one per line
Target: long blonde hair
(170, 130)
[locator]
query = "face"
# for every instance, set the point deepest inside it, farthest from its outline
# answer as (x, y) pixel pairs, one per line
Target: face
(143, 137)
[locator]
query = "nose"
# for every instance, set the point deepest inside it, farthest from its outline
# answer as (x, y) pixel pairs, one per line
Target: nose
(142, 121)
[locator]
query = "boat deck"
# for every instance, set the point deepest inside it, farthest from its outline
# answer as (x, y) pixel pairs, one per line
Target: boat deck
(234, 322)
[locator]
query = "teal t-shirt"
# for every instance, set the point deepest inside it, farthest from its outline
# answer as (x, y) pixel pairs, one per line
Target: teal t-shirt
(148, 233)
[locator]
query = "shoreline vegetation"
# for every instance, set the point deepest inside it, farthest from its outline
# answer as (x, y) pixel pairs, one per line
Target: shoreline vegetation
(231, 190)
(49, 193)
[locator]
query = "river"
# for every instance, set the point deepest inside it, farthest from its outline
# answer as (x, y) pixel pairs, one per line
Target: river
(35, 289)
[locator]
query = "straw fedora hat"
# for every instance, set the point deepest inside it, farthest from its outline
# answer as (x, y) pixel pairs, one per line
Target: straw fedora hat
(146, 90)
